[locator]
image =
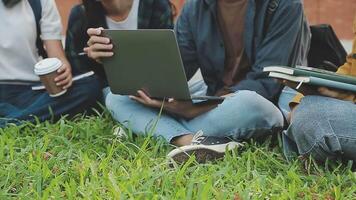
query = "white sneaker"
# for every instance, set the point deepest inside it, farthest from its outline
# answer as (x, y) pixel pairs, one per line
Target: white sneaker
(204, 148)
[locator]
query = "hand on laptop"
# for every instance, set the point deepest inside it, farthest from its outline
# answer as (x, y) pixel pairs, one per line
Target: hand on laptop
(184, 109)
(98, 46)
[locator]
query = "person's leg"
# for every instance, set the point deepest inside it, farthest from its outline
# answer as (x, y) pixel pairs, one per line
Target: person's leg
(81, 97)
(144, 120)
(324, 128)
(244, 116)
(105, 92)
(9, 95)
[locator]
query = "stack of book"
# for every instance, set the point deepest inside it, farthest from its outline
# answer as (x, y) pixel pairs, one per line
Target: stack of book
(313, 76)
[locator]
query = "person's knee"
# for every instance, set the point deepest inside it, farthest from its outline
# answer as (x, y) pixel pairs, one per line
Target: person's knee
(250, 115)
(309, 130)
(118, 104)
(303, 126)
(255, 109)
(306, 120)
(113, 100)
(312, 107)
(326, 147)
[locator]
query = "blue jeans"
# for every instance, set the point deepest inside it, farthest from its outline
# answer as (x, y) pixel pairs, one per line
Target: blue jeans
(286, 97)
(324, 128)
(243, 116)
(20, 103)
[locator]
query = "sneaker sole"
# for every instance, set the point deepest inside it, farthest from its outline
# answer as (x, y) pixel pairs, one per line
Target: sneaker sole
(202, 154)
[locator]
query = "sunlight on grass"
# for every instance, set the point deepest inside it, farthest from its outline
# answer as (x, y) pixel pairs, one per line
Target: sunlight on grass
(83, 159)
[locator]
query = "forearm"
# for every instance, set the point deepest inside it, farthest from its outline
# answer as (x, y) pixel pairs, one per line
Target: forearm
(190, 112)
(54, 49)
(199, 110)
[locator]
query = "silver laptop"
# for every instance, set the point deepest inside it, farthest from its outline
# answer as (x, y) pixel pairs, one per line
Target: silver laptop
(147, 60)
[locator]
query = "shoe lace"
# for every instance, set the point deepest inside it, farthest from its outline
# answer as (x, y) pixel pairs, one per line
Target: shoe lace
(198, 138)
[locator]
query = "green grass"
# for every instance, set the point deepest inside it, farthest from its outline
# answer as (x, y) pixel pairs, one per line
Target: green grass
(82, 159)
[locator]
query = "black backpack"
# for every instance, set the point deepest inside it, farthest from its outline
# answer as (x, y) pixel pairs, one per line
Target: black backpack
(37, 11)
(326, 51)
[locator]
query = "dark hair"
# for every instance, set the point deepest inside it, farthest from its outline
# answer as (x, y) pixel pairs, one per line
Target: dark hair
(95, 13)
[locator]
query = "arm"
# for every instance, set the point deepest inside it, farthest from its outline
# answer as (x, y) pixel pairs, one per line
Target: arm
(277, 48)
(185, 109)
(186, 42)
(54, 49)
(51, 29)
(76, 40)
(346, 69)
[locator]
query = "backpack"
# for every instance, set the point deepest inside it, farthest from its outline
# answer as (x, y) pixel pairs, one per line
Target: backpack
(37, 11)
(326, 51)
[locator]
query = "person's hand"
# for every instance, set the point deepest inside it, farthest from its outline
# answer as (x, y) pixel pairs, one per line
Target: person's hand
(98, 46)
(64, 79)
(337, 94)
(184, 109)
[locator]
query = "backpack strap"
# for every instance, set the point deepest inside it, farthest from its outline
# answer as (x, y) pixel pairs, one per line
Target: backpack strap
(271, 10)
(37, 11)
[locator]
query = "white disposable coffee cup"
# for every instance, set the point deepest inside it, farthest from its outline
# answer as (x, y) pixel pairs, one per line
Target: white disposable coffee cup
(47, 70)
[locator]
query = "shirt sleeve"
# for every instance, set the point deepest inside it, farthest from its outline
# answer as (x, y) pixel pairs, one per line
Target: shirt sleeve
(51, 26)
(186, 41)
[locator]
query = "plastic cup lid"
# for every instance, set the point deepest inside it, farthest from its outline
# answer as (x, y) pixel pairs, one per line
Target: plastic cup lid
(47, 66)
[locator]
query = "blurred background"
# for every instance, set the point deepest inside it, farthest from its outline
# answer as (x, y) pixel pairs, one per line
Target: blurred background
(338, 13)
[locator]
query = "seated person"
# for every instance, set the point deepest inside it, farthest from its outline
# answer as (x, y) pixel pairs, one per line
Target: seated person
(225, 41)
(112, 14)
(18, 56)
(324, 126)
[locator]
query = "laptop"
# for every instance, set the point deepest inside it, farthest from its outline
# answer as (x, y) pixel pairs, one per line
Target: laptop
(147, 60)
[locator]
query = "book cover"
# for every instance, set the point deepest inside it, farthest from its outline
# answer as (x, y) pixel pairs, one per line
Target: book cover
(312, 72)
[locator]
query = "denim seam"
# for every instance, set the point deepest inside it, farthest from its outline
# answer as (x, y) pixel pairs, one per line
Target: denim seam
(318, 141)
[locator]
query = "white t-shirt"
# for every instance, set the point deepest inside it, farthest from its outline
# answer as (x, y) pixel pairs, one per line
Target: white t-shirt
(18, 51)
(130, 23)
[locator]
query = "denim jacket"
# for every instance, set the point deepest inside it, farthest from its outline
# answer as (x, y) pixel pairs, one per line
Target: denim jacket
(202, 47)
